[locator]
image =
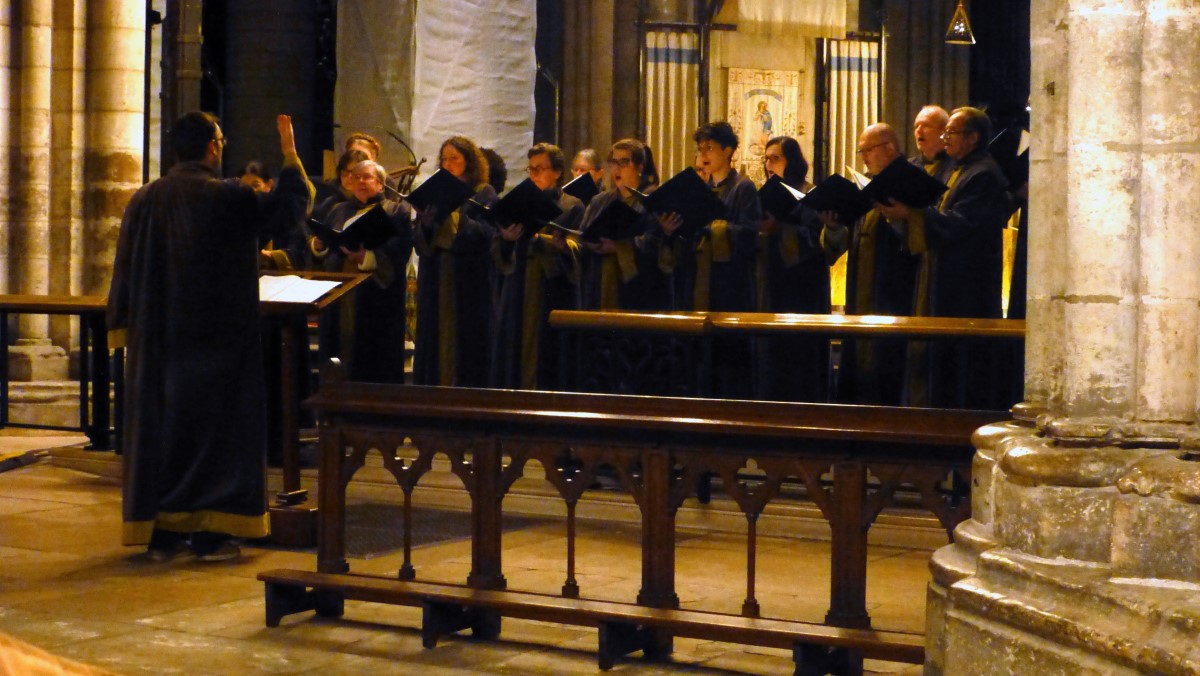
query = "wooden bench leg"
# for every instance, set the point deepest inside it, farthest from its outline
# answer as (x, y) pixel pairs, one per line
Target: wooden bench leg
(618, 639)
(818, 660)
(440, 619)
(328, 604)
(285, 599)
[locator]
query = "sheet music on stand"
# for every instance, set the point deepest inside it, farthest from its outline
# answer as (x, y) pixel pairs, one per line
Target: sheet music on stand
(293, 289)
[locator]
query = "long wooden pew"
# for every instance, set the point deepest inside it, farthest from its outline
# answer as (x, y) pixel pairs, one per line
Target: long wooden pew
(657, 447)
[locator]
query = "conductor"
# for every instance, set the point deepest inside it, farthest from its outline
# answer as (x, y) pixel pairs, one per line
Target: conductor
(184, 303)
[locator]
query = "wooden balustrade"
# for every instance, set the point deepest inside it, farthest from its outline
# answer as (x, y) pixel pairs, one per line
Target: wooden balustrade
(671, 354)
(852, 460)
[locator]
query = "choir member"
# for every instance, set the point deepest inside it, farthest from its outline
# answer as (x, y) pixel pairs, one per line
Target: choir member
(715, 269)
(368, 334)
(722, 254)
(960, 242)
(624, 274)
(454, 278)
(880, 280)
(931, 149)
(588, 161)
(537, 274)
(342, 187)
(794, 277)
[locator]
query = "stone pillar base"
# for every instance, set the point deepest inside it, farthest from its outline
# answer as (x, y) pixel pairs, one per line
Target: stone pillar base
(36, 359)
(1077, 560)
(1025, 615)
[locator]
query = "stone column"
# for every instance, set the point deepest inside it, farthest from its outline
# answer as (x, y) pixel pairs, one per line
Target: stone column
(1081, 554)
(31, 222)
(66, 162)
(7, 115)
(115, 114)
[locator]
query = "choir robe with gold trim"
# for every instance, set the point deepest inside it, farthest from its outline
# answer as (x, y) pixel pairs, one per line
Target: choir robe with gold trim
(454, 296)
(534, 279)
(880, 280)
(793, 276)
(184, 303)
(961, 244)
(716, 269)
(632, 277)
(367, 329)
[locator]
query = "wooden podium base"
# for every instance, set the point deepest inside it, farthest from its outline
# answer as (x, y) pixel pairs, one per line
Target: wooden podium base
(293, 526)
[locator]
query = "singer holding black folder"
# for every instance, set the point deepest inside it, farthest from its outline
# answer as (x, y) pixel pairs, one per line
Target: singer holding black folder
(623, 273)
(793, 276)
(960, 242)
(713, 267)
(454, 278)
(537, 272)
(368, 333)
(880, 278)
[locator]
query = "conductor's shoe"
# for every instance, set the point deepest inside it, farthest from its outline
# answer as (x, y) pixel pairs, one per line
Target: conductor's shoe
(214, 547)
(165, 546)
(226, 551)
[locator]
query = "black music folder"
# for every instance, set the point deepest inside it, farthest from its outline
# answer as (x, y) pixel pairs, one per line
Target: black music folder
(368, 229)
(616, 221)
(839, 195)
(527, 204)
(689, 196)
(442, 192)
(778, 198)
(583, 187)
(905, 183)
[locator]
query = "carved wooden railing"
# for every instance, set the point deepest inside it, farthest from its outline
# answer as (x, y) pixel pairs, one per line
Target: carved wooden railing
(657, 448)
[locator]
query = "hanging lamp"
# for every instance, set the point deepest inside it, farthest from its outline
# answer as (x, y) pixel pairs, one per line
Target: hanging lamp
(959, 32)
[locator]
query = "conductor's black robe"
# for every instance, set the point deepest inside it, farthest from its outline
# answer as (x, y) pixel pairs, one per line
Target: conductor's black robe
(184, 304)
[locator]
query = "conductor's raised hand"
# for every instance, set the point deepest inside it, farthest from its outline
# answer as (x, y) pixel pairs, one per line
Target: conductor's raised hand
(287, 137)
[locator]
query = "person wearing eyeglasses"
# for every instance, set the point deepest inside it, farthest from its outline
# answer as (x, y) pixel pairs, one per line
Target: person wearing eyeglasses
(714, 268)
(624, 274)
(369, 334)
(183, 302)
(537, 273)
(960, 242)
(880, 280)
(455, 278)
(793, 276)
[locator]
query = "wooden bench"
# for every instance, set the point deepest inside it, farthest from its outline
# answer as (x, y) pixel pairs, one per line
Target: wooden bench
(656, 448)
(623, 628)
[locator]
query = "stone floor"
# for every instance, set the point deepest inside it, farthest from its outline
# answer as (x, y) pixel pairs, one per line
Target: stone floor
(68, 586)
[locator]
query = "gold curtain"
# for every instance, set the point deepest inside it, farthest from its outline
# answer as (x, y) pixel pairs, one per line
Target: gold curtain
(853, 77)
(672, 99)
